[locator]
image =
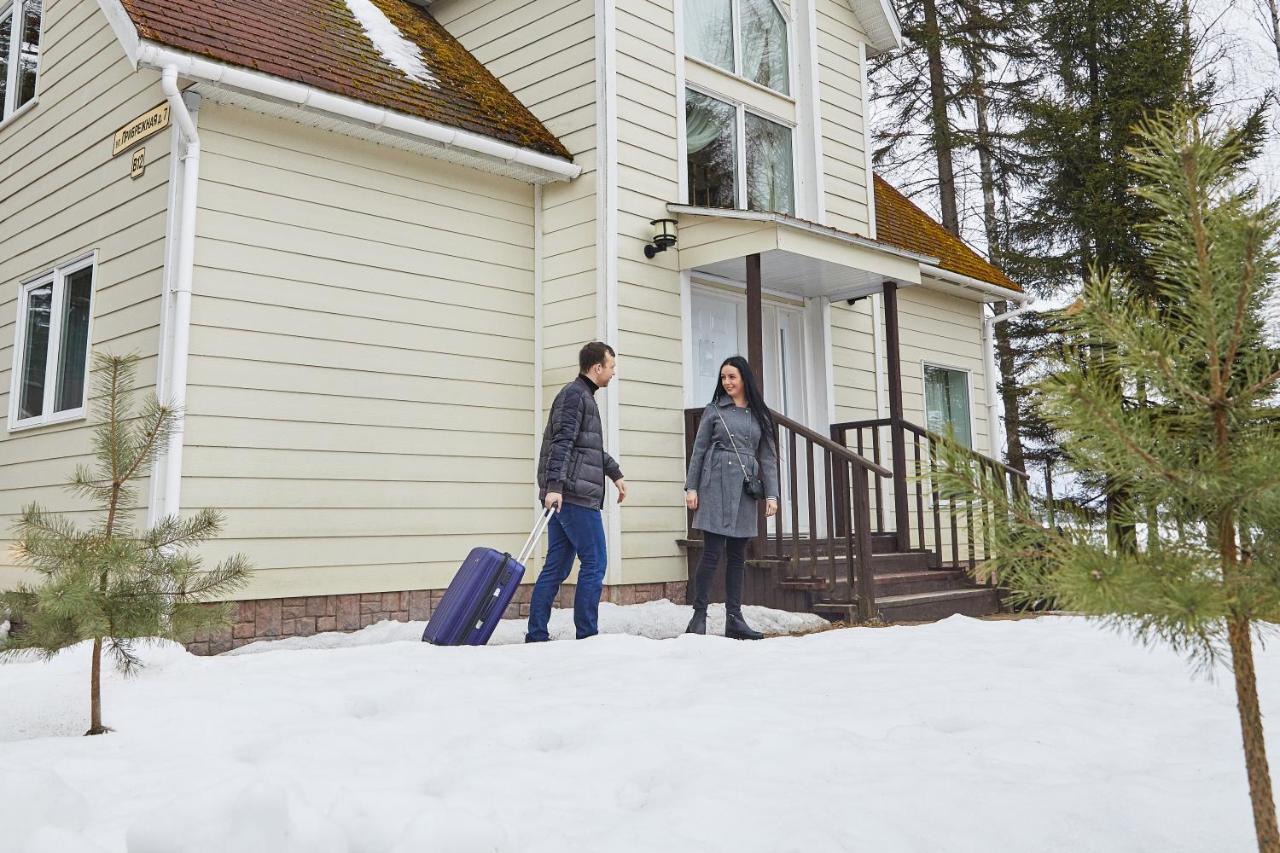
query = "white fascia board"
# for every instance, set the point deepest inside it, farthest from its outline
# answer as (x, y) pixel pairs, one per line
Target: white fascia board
(521, 161)
(122, 26)
(968, 283)
(801, 225)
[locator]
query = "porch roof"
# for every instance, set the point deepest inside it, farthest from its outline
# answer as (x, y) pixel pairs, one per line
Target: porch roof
(796, 256)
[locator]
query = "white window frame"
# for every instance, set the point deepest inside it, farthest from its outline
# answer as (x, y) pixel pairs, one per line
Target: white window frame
(57, 276)
(740, 154)
(735, 17)
(924, 395)
(11, 9)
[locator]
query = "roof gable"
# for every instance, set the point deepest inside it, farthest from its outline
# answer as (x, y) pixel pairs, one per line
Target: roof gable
(320, 43)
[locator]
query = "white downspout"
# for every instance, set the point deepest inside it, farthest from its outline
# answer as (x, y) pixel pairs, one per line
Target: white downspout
(171, 497)
(995, 429)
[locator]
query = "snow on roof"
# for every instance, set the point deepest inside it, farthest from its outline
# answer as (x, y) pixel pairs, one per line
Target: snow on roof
(390, 42)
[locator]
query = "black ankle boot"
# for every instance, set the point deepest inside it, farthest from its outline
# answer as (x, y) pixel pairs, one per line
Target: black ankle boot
(698, 624)
(736, 628)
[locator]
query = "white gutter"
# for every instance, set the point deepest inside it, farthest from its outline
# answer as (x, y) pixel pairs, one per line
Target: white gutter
(971, 283)
(170, 497)
(348, 109)
(995, 429)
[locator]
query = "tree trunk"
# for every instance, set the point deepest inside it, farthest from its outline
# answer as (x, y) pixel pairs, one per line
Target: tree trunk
(942, 143)
(1274, 8)
(1255, 747)
(95, 691)
(1004, 346)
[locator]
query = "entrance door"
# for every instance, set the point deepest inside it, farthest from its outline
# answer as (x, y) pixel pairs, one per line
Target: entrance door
(719, 325)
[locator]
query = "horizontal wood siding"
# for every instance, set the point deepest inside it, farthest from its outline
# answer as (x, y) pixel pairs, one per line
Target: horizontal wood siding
(649, 321)
(843, 116)
(361, 358)
(544, 51)
(62, 195)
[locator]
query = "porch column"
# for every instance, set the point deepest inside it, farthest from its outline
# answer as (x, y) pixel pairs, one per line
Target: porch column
(901, 504)
(755, 321)
(755, 358)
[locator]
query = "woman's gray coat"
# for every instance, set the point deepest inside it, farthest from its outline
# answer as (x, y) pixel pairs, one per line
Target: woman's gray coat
(715, 474)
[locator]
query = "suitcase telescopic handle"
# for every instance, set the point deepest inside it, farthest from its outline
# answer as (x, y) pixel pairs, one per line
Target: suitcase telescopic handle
(533, 537)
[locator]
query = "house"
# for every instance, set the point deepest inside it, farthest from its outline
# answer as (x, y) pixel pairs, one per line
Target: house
(361, 243)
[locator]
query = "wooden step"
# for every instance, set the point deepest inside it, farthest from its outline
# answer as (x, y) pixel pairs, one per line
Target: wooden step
(924, 580)
(900, 561)
(930, 606)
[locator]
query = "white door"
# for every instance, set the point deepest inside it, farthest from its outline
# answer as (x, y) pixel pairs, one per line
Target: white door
(785, 392)
(719, 324)
(719, 331)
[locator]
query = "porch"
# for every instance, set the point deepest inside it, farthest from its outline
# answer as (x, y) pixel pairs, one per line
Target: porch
(864, 530)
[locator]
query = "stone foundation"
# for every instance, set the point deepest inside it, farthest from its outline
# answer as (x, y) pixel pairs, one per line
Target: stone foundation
(277, 618)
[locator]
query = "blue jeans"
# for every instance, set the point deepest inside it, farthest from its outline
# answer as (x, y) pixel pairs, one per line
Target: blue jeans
(574, 531)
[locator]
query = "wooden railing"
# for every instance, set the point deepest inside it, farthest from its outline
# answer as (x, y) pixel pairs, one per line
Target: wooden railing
(833, 503)
(915, 491)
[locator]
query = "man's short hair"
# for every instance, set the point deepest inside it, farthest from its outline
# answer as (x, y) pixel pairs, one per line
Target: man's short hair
(594, 353)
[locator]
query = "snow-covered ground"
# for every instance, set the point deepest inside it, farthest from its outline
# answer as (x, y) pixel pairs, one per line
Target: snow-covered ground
(1045, 734)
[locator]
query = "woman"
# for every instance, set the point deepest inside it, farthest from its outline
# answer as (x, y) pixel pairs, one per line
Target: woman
(734, 442)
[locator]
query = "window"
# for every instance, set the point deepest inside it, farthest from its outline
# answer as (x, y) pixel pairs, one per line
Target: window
(946, 402)
(52, 351)
(713, 129)
(744, 37)
(19, 54)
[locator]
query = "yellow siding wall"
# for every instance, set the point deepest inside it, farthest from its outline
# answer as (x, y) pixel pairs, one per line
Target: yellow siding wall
(843, 116)
(62, 195)
(361, 358)
(649, 321)
(544, 51)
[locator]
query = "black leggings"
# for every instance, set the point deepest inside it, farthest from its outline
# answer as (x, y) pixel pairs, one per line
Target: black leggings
(713, 546)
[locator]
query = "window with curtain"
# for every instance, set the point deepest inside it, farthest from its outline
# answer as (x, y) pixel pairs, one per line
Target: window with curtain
(770, 173)
(946, 402)
(764, 45)
(708, 31)
(721, 140)
(53, 346)
(710, 131)
(712, 28)
(19, 54)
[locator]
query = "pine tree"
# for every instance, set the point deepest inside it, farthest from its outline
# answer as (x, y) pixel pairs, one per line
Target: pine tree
(109, 583)
(1199, 451)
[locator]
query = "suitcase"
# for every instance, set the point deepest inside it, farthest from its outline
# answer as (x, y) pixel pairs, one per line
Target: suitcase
(479, 594)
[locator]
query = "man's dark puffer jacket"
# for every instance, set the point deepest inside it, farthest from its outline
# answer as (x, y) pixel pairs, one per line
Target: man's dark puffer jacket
(573, 461)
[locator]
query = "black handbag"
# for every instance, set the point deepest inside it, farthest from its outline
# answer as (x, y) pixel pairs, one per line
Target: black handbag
(752, 487)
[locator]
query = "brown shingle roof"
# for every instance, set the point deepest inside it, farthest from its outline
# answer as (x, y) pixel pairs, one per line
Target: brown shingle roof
(900, 223)
(320, 43)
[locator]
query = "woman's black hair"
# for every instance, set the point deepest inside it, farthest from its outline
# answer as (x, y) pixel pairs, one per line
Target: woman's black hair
(755, 399)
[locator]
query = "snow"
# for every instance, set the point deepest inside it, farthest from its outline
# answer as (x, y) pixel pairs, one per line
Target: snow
(1045, 735)
(657, 620)
(390, 42)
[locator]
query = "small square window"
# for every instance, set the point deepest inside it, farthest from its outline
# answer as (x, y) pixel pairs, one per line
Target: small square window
(946, 402)
(52, 349)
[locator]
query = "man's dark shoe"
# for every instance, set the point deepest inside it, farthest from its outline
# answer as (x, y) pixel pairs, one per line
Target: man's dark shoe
(698, 624)
(736, 628)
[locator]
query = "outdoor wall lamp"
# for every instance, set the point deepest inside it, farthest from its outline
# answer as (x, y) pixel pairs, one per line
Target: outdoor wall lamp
(664, 239)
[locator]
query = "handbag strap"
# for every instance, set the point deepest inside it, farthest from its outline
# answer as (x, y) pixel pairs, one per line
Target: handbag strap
(731, 441)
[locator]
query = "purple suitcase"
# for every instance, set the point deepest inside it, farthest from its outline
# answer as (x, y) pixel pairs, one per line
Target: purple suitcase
(479, 594)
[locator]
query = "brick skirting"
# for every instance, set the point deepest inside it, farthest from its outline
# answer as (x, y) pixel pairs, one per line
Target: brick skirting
(277, 618)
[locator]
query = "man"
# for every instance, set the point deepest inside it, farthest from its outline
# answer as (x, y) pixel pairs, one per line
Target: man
(571, 472)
